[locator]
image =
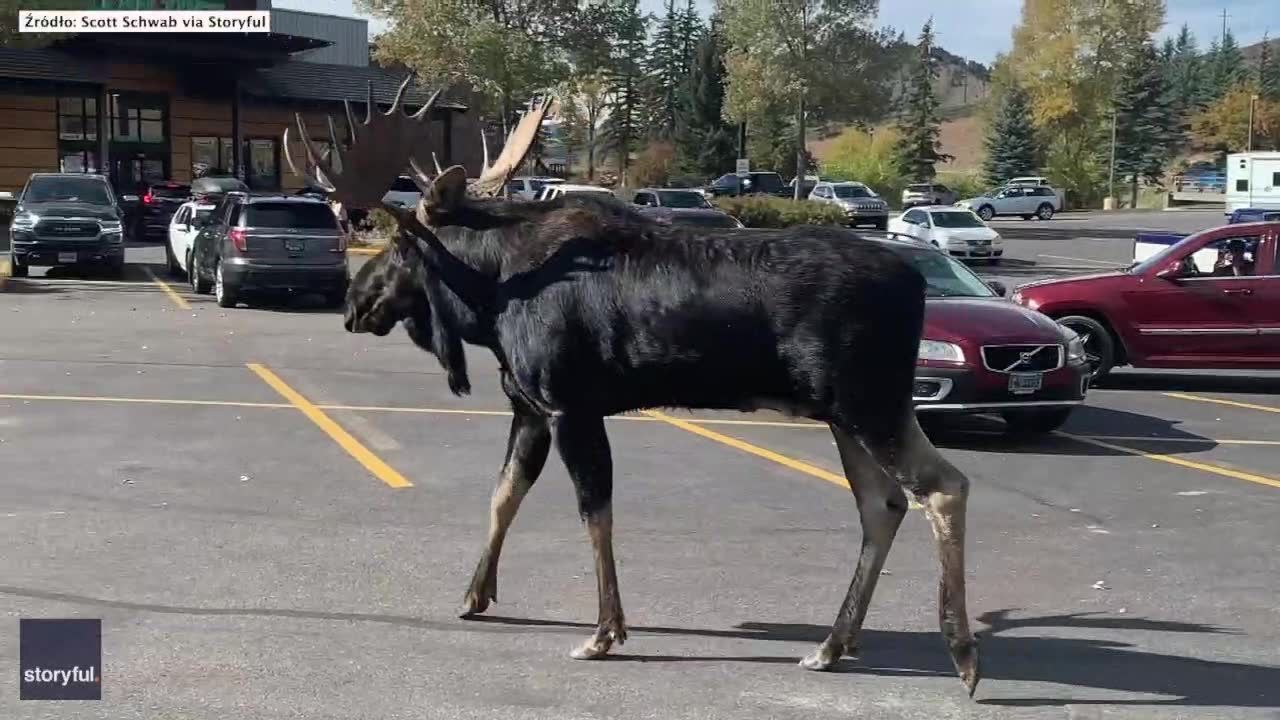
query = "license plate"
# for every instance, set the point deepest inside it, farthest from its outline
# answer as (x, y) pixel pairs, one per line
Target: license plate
(68, 257)
(1024, 383)
(294, 245)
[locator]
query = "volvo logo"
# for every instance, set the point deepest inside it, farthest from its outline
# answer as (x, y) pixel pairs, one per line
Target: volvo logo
(1024, 358)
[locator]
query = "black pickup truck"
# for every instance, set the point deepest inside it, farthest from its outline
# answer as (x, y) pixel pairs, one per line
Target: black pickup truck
(67, 219)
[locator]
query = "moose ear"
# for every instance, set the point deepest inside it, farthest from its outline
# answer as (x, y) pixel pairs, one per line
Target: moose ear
(447, 192)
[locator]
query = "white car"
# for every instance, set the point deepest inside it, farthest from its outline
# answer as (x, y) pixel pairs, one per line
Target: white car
(955, 231)
(1029, 201)
(183, 227)
(558, 189)
(528, 188)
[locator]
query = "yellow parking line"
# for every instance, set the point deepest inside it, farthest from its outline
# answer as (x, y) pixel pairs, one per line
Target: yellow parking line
(139, 400)
(177, 299)
(364, 250)
(363, 455)
(1203, 467)
(1218, 401)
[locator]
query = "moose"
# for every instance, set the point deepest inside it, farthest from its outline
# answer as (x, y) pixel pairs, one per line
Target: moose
(592, 310)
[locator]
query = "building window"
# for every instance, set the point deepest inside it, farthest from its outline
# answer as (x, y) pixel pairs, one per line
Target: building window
(210, 156)
(262, 164)
(77, 118)
(260, 157)
(136, 119)
(78, 161)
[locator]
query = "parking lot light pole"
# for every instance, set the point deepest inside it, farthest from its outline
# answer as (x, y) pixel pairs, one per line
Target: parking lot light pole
(1111, 181)
(1253, 100)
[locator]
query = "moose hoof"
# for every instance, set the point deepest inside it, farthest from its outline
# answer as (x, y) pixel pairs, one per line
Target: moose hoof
(474, 604)
(968, 666)
(823, 658)
(599, 644)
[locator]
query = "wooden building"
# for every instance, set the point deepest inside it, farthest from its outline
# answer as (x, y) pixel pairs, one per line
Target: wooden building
(153, 107)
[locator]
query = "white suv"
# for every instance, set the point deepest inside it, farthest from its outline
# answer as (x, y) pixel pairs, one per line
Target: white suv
(528, 188)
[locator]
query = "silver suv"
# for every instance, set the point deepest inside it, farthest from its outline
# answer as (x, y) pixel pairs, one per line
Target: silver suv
(861, 204)
(254, 244)
(918, 194)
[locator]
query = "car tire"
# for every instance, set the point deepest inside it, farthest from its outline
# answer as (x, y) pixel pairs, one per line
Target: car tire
(199, 285)
(1045, 211)
(116, 269)
(882, 225)
(17, 269)
(1035, 422)
(1099, 344)
(986, 212)
(226, 294)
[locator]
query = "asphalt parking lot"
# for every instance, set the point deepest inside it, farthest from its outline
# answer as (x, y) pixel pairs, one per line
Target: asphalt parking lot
(275, 519)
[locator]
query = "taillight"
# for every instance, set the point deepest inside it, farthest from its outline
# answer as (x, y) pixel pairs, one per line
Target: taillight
(237, 238)
(147, 199)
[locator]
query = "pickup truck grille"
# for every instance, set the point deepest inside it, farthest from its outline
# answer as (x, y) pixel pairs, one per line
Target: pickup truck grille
(1021, 358)
(67, 228)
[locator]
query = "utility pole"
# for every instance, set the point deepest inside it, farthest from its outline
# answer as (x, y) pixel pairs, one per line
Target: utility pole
(1111, 182)
(1253, 100)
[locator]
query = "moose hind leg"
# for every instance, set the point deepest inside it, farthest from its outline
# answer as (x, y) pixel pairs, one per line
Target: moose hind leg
(527, 449)
(944, 491)
(881, 506)
(584, 447)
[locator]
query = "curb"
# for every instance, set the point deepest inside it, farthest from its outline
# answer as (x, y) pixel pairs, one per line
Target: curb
(363, 251)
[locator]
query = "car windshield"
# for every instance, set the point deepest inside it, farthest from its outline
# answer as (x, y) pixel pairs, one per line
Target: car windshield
(945, 277)
(954, 219)
(537, 185)
(404, 185)
(291, 215)
(67, 189)
(852, 191)
(171, 191)
(682, 199)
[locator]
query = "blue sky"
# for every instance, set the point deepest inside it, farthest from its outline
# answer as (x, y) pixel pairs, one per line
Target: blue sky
(979, 29)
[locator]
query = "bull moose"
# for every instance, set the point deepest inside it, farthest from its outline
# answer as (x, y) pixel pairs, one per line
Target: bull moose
(593, 310)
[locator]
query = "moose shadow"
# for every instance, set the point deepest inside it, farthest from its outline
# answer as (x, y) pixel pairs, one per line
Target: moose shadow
(1078, 662)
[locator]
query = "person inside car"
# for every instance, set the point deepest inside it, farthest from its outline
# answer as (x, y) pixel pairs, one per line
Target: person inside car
(1233, 260)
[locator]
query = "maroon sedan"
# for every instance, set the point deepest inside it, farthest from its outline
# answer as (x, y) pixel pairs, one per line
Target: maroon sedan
(1210, 300)
(983, 354)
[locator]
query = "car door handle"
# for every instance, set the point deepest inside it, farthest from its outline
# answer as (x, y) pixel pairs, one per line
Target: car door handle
(1238, 291)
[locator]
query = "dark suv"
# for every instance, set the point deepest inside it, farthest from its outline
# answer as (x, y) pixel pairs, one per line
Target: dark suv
(261, 243)
(67, 219)
(755, 183)
(159, 202)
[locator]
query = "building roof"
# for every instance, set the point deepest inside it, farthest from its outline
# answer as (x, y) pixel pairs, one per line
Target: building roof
(48, 64)
(319, 81)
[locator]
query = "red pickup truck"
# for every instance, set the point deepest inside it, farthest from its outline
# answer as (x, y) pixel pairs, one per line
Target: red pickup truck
(1208, 300)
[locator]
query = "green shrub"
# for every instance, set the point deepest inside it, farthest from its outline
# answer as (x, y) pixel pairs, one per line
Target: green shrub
(965, 184)
(382, 222)
(772, 212)
(860, 156)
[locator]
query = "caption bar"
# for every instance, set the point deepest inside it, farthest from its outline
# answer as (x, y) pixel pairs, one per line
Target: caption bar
(144, 21)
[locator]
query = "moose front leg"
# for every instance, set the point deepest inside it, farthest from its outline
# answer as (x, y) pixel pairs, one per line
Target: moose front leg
(584, 447)
(527, 449)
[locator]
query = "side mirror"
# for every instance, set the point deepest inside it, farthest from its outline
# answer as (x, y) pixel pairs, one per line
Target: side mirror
(999, 287)
(1177, 269)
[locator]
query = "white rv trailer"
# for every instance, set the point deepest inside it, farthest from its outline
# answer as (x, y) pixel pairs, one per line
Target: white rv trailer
(1253, 181)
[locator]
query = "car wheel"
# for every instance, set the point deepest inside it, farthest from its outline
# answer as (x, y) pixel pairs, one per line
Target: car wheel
(1099, 345)
(1045, 211)
(226, 294)
(199, 285)
(882, 225)
(986, 212)
(1035, 422)
(116, 268)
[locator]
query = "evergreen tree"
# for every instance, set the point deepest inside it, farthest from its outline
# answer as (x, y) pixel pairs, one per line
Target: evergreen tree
(666, 71)
(1228, 68)
(1143, 120)
(1268, 71)
(706, 145)
(918, 147)
(1011, 144)
(624, 126)
(1184, 75)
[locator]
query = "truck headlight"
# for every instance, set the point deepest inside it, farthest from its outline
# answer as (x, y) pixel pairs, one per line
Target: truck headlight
(25, 221)
(938, 350)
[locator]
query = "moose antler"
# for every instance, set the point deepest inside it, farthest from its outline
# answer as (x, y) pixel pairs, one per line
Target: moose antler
(359, 177)
(384, 143)
(494, 177)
